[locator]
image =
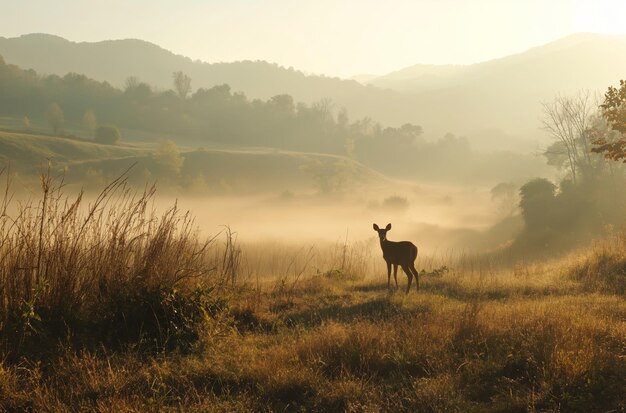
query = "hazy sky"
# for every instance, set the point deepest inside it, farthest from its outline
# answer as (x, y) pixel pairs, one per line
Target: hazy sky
(334, 37)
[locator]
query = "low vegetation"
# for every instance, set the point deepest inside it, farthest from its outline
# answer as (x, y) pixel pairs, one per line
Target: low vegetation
(126, 309)
(111, 272)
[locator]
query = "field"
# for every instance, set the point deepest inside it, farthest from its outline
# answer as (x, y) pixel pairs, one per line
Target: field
(512, 343)
(180, 232)
(126, 309)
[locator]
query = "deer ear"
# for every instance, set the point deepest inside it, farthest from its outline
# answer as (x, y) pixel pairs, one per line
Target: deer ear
(376, 227)
(388, 227)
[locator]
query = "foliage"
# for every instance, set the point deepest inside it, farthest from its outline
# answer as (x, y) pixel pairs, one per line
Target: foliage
(217, 114)
(588, 199)
(614, 111)
(437, 272)
(577, 212)
(90, 121)
(536, 198)
(168, 157)
(568, 121)
(329, 175)
(54, 115)
(182, 84)
(107, 135)
(396, 203)
(157, 317)
(26, 123)
(505, 193)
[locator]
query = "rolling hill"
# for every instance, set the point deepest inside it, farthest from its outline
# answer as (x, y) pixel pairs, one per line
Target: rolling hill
(26, 152)
(501, 96)
(238, 171)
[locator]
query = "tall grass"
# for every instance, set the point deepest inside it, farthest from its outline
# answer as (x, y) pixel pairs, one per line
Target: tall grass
(113, 263)
(603, 269)
(112, 278)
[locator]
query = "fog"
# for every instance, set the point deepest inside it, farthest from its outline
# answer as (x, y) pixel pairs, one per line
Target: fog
(429, 215)
(495, 148)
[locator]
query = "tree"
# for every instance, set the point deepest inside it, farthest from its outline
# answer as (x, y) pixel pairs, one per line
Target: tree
(168, 156)
(412, 131)
(283, 104)
(26, 123)
(614, 111)
(567, 120)
(505, 194)
(325, 108)
(89, 121)
(182, 84)
(131, 83)
(54, 114)
(329, 176)
(537, 200)
(107, 135)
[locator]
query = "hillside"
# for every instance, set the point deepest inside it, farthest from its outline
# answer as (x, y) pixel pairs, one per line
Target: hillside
(218, 170)
(500, 95)
(508, 91)
(27, 152)
(569, 63)
(417, 78)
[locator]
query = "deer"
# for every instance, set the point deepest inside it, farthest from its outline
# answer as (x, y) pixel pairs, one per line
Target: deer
(401, 253)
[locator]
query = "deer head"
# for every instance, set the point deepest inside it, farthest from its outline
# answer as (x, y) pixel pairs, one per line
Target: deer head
(382, 233)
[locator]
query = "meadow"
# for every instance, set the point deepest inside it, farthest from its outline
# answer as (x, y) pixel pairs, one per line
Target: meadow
(110, 305)
(252, 279)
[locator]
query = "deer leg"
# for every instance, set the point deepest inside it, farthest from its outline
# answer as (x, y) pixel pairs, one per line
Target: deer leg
(409, 274)
(395, 274)
(417, 279)
(389, 276)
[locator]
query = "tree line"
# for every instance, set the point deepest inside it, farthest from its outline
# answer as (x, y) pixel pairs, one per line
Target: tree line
(218, 114)
(588, 138)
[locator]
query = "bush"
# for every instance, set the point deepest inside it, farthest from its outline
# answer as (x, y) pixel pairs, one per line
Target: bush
(157, 317)
(396, 203)
(107, 135)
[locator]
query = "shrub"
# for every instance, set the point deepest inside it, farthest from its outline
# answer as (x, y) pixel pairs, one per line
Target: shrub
(168, 157)
(54, 114)
(396, 203)
(107, 135)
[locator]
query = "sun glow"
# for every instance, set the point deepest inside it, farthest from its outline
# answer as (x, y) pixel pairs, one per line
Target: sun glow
(600, 16)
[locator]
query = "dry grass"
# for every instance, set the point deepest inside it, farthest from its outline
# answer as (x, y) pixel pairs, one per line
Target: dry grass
(69, 269)
(604, 268)
(543, 337)
(359, 349)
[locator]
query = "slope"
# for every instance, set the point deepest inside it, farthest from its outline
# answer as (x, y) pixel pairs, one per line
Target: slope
(223, 170)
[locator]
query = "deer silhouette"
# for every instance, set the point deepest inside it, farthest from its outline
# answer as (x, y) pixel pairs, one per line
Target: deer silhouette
(401, 253)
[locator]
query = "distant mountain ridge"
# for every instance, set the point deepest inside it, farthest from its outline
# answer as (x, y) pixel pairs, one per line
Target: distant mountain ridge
(500, 94)
(115, 60)
(566, 50)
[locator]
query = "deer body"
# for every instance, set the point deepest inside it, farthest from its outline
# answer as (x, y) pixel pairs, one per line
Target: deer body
(403, 253)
